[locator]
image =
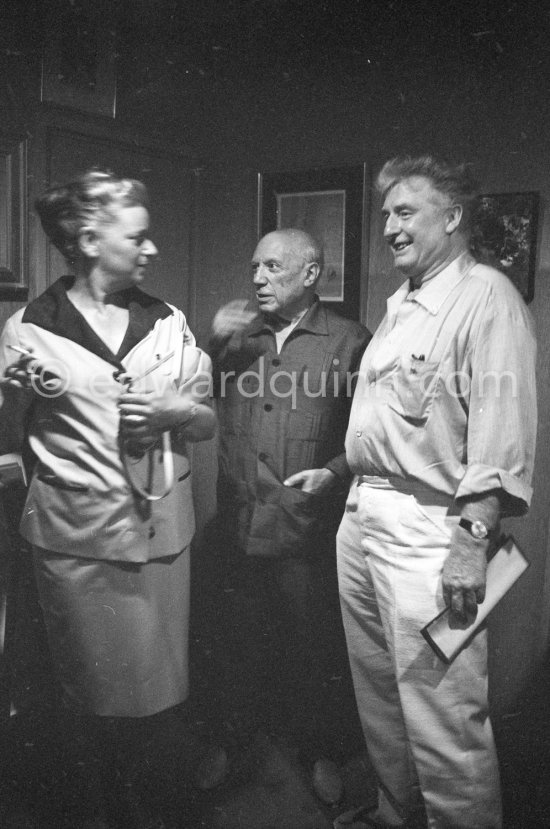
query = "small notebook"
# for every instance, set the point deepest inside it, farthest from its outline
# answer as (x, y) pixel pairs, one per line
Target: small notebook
(503, 570)
(12, 470)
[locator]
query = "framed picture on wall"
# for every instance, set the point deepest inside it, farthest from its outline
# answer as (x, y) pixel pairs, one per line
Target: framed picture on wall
(78, 62)
(504, 235)
(328, 203)
(13, 220)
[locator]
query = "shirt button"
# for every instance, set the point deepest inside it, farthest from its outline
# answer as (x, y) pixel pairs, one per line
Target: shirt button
(268, 407)
(358, 433)
(152, 532)
(262, 456)
(276, 362)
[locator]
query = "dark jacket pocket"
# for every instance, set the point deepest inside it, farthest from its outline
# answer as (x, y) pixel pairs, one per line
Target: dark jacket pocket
(284, 521)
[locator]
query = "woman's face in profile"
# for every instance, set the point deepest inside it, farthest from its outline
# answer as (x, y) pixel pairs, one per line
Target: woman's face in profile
(124, 249)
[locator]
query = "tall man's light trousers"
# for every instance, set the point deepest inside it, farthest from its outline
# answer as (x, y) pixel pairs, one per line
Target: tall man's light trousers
(424, 722)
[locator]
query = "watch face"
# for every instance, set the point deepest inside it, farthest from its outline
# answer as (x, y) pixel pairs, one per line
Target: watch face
(479, 530)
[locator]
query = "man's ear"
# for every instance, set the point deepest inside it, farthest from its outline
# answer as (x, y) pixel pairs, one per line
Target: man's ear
(312, 274)
(454, 215)
(87, 242)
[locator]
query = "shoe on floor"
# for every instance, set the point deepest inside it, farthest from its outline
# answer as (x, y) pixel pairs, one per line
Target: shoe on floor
(327, 783)
(212, 769)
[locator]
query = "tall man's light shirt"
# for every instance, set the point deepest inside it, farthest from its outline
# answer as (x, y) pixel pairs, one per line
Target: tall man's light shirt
(447, 388)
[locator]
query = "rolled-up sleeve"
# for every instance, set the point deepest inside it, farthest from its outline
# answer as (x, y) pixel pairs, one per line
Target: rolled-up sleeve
(502, 416)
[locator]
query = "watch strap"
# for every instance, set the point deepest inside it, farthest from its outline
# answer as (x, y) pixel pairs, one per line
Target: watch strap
(468, 525)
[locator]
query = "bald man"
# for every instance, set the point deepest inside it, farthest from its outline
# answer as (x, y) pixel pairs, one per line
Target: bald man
(284, 368)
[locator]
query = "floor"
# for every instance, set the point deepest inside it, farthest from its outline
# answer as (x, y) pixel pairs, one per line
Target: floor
(266, 787)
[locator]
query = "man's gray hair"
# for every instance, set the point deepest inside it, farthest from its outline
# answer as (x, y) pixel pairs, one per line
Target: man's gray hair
(454, 180)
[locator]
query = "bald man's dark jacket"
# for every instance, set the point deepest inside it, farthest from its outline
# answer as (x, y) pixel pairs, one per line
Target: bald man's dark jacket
(280, 414)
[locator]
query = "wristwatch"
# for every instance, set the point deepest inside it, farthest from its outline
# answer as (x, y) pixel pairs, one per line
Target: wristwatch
(477, 529)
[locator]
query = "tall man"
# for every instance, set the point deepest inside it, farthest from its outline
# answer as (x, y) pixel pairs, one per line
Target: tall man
(441, 439)
(284, 371)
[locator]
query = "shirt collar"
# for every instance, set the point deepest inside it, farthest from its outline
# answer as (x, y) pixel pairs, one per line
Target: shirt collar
(54, 312)
(433, 293)
(314, 321)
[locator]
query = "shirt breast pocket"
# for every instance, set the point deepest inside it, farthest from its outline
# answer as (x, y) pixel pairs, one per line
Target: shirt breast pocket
(413, 389)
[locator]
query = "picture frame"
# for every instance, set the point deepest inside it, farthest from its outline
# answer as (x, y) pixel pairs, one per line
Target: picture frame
(504, 234)
(13, 220)
(328, 203)
(79, 58)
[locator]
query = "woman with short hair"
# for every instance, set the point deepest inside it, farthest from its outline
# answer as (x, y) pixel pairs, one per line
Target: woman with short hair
(110, 387)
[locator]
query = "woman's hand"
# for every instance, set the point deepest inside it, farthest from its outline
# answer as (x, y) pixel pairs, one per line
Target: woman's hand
(22, 373)
(145, 414)
(28, 373)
